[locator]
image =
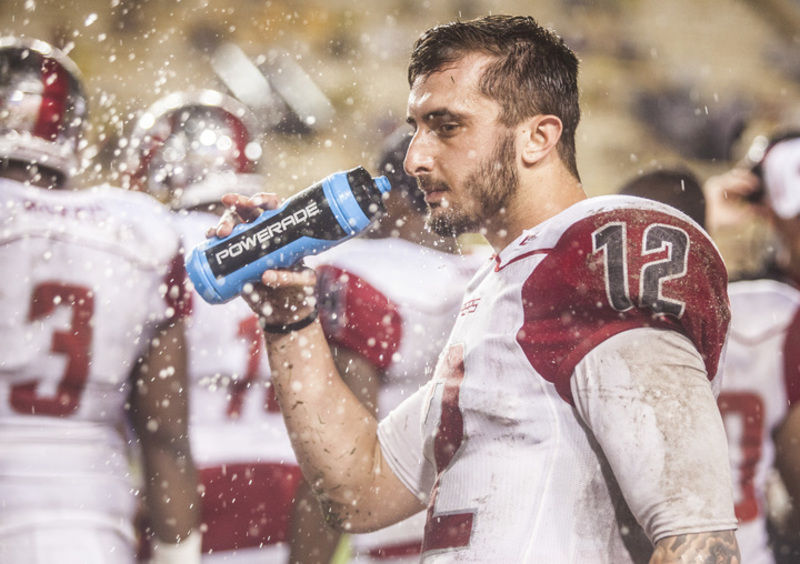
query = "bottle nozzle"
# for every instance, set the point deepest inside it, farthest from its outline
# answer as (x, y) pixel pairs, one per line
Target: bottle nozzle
(383, 184)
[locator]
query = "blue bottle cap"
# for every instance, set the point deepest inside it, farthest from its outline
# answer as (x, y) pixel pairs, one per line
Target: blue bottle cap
(383, 184)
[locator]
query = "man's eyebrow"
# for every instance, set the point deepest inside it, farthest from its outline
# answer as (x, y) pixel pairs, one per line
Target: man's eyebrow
(441, 113)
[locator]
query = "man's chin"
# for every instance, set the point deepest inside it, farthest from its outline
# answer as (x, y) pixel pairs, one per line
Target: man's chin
(446, 225)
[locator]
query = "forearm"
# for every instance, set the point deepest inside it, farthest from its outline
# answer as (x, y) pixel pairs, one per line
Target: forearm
(160, 413)
(334, 436)
(170, 491)
(707, 548)
(311, 540)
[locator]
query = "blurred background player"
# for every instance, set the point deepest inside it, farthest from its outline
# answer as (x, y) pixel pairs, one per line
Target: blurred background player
(761, 382)
(388, 301)
(677, 187)
(761, 370)
(188, 149)
(91, 333)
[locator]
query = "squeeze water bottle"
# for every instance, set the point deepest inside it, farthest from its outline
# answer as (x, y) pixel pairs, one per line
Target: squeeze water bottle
(317, 218)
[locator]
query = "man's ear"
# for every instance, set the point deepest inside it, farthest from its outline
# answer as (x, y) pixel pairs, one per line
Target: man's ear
(541, 134)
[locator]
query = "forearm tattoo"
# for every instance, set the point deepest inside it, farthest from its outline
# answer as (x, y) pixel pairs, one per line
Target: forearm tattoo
(718, 547)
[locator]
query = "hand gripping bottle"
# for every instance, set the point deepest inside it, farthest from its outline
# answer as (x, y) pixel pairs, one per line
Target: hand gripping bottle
(317, 218)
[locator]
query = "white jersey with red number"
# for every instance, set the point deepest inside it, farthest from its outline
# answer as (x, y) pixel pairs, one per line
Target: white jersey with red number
(89, 275)
(239, 441)
(761, 383)
(394, 303)
(494, 442)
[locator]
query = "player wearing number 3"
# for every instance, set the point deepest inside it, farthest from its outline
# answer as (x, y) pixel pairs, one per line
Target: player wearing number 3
(572, 415)
(92, 337)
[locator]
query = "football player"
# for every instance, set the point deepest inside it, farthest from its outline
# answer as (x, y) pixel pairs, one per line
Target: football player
(92, 337)
(387, 323)
(571, 416)
(188, 149)
(761, 385)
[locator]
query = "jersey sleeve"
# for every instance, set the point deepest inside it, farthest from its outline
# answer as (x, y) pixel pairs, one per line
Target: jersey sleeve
(400, 435)
(357, 316)
(618, 270)
(646, 398)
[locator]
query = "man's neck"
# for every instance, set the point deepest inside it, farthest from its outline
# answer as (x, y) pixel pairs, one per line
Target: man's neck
(535, 201)
(412, 228)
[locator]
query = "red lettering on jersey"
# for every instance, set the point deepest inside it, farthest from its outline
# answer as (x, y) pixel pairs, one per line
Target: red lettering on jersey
(620, 270)
(791, 360)
(448, 530)
(247, 505)
(748, 410)
(469, 306)
(75, 343)
(400, 550)
(356, 316)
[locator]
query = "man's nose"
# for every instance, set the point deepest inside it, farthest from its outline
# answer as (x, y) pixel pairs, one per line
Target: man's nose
(419, 157)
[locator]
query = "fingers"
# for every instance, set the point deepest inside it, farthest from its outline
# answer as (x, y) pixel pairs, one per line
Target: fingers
(729, 199)
(283, 296)
(736, 184)
(242, 209)
(285, 278)
(250, 208)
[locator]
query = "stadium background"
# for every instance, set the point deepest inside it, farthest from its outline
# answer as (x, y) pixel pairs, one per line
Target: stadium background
(662, 82)
(725, 60)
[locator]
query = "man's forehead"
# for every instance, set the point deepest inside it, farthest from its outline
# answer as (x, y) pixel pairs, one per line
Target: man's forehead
(454, 84)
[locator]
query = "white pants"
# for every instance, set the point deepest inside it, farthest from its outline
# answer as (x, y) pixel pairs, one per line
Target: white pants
(66, 544)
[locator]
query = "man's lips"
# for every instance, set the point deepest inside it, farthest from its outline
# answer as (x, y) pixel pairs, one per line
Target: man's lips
(434, 196)
(434, 191)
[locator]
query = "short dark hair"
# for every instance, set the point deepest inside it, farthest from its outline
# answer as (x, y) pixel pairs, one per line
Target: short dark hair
(534, 71)
(677, 187)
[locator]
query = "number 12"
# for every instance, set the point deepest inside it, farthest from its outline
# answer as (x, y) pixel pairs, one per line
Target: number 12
(612, 239)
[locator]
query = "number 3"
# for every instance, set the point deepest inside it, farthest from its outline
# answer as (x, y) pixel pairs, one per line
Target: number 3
(612, 238)
(74, 342)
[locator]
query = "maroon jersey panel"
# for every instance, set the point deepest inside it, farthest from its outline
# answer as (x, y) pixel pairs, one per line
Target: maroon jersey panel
(358, 317)
(619, 270)
(178, 296)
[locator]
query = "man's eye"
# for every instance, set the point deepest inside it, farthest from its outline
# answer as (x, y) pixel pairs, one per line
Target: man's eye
(448, 128)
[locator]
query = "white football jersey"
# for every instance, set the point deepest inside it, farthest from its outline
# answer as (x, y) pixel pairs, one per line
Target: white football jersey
(239, 442)
(90, 274)
(394, 303)
(493, 441)
(760, 383)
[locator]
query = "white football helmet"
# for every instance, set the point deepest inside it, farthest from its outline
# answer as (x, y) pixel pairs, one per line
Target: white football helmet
(42, 105)
(190, 148)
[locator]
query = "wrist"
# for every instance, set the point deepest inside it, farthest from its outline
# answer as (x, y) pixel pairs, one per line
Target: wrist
(287, 327)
